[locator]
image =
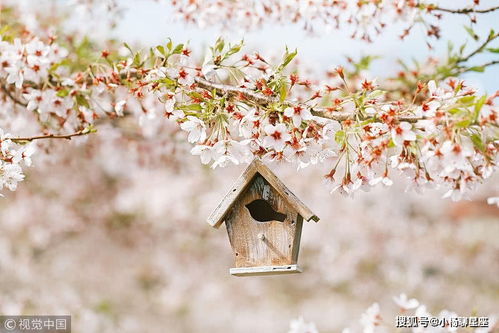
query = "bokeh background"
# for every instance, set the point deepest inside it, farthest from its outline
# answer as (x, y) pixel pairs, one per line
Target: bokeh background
(111, 229)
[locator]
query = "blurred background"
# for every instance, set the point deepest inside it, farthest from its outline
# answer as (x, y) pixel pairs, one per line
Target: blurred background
(112, 229)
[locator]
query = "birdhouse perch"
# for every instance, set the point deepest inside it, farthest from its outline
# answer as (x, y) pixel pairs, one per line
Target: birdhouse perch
(264, 221)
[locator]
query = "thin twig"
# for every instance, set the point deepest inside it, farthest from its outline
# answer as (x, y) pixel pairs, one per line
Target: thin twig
(480, 48)
(14, 99)
(487, 64)
(51, 136)
(464, 10)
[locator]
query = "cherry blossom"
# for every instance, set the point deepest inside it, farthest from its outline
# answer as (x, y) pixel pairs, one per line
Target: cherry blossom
(170, 111)
(196, 129)
(405, 303)
(383, 180)
(277, 136)
(403, 132)
(298, 114)
(371, 318)
(226, 151)
(205, 153)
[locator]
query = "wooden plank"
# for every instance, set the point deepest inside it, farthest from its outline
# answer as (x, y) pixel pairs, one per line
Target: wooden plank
(217, 216)
(262, 243)
(265, 270)
(296, 243)
(296, 203)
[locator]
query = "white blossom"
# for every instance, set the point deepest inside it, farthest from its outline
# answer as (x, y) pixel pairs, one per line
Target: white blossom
(371, 318)
(297, 114)
(405, 303)
(277, 136)
(403, 132)
(196, 129)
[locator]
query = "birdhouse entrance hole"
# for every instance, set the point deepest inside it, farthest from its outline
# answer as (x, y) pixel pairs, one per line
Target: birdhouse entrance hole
(262, 211)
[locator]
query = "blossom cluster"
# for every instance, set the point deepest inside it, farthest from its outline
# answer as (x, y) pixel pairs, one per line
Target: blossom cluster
(445, 141)
(363, 19)
(12, 156)
(236, 106)
(28, 61)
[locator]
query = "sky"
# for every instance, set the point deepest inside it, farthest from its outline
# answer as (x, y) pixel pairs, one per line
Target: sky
(150, 23)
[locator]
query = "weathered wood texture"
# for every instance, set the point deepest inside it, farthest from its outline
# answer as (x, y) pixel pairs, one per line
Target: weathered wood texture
(279, 244)
(265, 270)
(287, 195)
(218, 216)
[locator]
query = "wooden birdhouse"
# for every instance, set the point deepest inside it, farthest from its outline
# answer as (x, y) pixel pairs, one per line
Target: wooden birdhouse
(264, 221)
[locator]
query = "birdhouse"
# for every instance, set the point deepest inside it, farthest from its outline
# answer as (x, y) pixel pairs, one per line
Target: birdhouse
(264, 221)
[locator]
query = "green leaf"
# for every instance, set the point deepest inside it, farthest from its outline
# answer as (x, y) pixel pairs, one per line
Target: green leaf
(491, 34)
(219, 46)
(286, 59)
(169, 45)
(478, 106)
(4, 29)
(463, 123)
(195, 94)
(89, 129)
(191, 107)
(167, 81)
(234, 49)
(339, 136)
(136, 60)
(178, 49)
(128, 47)
(364, 62)
(477, 142)
(471, 32)
(461, 49)
(283, 91)
(82, 101)
(161, 49)
(479, 69)
(467, 100)
(493, 50)
(62, 93)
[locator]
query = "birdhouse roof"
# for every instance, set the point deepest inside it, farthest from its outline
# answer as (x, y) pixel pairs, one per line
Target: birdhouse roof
(218, 215)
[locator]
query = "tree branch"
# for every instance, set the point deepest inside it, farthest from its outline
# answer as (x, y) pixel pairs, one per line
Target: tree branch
(260, 99)
(82, 132)
(464, 10)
